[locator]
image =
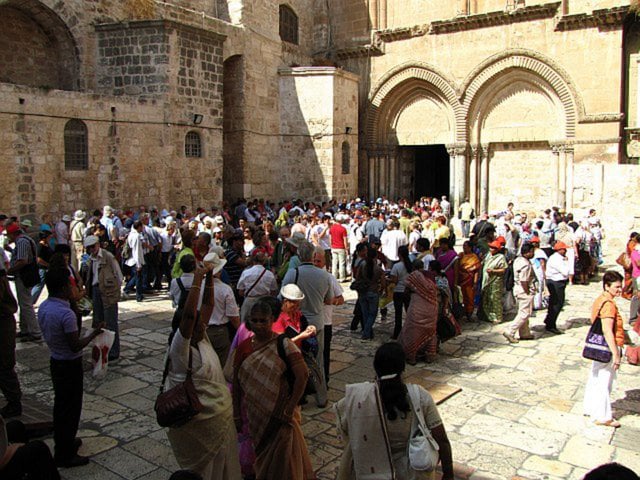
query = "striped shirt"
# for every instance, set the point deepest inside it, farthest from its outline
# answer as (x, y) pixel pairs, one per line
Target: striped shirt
(24, 250)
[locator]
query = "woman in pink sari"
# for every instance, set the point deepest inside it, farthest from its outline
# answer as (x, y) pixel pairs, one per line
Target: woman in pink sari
(418, 335)
(447, 257)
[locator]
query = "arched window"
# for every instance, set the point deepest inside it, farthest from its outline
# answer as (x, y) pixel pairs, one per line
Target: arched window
(193, 145)
(346, 158)
(288, 25)
(76, 150)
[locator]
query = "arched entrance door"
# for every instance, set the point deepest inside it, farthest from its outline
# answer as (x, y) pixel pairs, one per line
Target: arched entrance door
(412, 124)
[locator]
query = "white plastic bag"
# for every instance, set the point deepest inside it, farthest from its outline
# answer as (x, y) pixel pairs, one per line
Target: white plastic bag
(100, 352)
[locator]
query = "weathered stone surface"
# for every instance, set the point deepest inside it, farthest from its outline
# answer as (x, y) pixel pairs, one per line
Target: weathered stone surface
(515, 435)
(545, 466)
(585, 453)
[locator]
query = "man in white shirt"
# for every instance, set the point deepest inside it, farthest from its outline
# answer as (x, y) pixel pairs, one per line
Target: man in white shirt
(225, 310)
(255, 282)
(557, 275)
(390, 240)
(62, 230)
(136, 242)
(338, 299)
(524, 289)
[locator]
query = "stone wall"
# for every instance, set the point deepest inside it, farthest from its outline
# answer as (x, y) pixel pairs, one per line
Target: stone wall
(135, 156)
(313, 129)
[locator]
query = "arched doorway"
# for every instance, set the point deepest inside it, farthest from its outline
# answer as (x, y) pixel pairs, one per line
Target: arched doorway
(412, 123)
(521, 117)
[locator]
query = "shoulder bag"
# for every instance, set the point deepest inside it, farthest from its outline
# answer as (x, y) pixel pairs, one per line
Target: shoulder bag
(596, 347)
(177, 406)
(423, 449)
(29, 274)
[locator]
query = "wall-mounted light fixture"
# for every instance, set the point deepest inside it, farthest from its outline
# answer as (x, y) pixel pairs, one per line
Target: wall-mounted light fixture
(197, 118)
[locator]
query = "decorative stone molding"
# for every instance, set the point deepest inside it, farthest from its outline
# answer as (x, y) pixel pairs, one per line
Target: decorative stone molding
(491, 19)
(407, 71)
(603, 18)
(536, 64)
(359, 51)
(602, 118)
(403, 33)
(457, 149)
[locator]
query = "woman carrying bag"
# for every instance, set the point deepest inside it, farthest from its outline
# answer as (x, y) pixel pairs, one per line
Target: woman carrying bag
(380, 422)
(206, 444)
(597, 395)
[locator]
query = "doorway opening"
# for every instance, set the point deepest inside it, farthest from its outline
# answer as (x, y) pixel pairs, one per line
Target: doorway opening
(431, 171)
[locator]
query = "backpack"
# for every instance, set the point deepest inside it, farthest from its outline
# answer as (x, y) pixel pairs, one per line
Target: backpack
(177, 315)
(126, 250)
(509, 277)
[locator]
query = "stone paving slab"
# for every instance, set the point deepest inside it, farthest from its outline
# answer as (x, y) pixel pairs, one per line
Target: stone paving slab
(511, 411)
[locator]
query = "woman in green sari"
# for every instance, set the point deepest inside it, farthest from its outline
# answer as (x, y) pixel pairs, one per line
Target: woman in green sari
(493, 270)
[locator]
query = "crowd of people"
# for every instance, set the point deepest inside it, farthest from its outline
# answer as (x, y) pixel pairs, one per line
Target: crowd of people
(254, 286)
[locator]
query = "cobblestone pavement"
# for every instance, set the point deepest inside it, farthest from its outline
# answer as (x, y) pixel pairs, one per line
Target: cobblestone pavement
(518, 413)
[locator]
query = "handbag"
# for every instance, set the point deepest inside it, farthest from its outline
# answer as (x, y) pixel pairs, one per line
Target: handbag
(30, 273)
(422, 449)
(177, 406)
(624, 260)
(596, 347)
(314, 382)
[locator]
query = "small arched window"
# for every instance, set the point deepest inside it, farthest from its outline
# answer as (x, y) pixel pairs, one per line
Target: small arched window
(346, 158)
(193, 145)
(76, 145)
(288, 25)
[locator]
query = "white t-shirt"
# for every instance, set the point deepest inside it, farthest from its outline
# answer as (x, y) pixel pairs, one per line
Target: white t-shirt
(225, 305)
(328, 309)
(390, 240)
(399, 270)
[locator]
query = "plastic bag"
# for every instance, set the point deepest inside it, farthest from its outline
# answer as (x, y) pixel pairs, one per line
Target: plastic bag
(100, 352)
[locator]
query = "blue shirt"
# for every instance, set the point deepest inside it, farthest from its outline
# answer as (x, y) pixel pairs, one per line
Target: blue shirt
(56, 319)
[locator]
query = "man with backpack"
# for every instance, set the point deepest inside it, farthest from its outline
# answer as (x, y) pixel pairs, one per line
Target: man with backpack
(524, 289)
(24, 267)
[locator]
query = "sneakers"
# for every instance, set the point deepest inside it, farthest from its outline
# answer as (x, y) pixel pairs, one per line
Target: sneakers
(11, 410)
(509, 337)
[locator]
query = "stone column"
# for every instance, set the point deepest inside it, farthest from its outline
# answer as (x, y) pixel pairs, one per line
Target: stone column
(372, 158)
(373, 14)
(473, 176)
(393, 176)
(461, 175)
(382, 22)
(569, 177)
(382, 177)
(555, 169)
(562, 178)
(484, 179)
(452, 173)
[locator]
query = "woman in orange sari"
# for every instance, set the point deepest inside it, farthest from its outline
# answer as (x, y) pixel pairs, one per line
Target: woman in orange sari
(418, 335)
(270, 383)
(467, 270)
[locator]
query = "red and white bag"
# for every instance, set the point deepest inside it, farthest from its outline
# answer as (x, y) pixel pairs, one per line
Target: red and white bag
(100, 352)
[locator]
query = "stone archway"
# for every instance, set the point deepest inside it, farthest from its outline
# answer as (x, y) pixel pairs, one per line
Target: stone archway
(29, 29)
(521, 117)
(414, 106)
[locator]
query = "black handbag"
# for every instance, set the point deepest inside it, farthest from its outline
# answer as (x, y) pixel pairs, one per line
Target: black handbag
(596, 347)
(30, 274)
(177, 406)
(445, 328)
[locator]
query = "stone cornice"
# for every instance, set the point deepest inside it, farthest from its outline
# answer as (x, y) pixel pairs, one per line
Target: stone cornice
(602, 118)
(358, 51)
(602, 18)
(491, 19)
(163, 24)
(403, 33)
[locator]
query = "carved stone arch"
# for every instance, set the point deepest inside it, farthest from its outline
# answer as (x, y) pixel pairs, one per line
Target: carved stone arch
(538, 65)
(60, 41)
(403, 77)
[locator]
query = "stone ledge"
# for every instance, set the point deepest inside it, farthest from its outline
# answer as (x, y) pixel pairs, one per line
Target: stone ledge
(604, 17)
(491, 19)
(358, 51)
(403, 33)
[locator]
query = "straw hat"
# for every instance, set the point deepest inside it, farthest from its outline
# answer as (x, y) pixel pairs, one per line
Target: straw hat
(216, 261)
(292, 292)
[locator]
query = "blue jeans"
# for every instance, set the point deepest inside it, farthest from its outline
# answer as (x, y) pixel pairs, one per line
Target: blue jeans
(136, 281)
(109, 315)
(369, 304)
(36, 290)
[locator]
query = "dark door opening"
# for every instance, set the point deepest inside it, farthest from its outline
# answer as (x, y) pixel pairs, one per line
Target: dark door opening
(431, 171)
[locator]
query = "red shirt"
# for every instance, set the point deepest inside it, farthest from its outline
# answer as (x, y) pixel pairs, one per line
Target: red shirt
(338, 234)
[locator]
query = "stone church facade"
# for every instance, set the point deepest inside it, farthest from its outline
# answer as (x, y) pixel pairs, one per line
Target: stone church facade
(192, 102)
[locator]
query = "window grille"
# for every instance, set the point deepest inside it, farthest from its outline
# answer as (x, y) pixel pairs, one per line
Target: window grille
(288, 25)
(193, 145)
(76, 151)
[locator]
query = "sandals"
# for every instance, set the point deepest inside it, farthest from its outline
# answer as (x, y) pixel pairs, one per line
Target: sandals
(609, 423)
